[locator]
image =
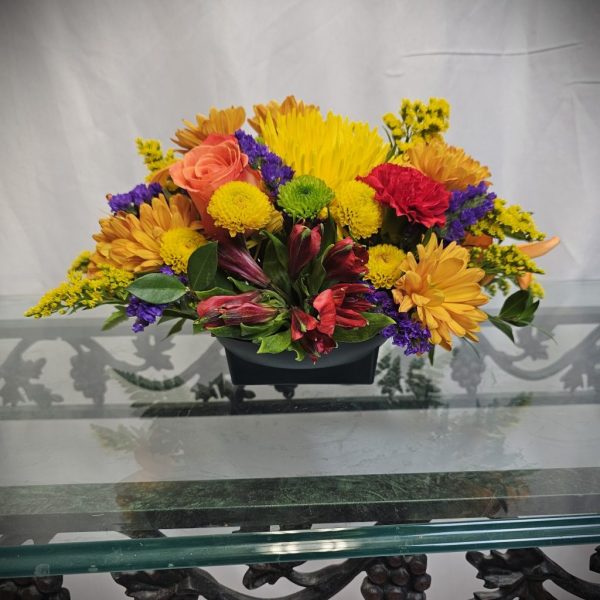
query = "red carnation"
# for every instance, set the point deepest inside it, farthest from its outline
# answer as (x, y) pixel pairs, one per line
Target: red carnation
(410, 193)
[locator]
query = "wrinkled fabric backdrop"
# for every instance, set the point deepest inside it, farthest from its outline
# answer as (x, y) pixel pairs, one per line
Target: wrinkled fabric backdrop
(79, 80)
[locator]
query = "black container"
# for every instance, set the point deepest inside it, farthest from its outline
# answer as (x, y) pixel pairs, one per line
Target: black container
(349, 363)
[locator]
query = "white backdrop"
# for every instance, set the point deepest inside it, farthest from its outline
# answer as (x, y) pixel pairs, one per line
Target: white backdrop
(79, 80)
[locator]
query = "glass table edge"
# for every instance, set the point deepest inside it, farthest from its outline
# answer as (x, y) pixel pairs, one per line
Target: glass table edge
(280, 546)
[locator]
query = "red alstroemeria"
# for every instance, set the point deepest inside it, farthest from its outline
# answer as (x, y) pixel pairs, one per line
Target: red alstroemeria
(301, 323)
(346, 260)
(235, 258)
(316, 344)
(303, 245)
(341, 305)
(234, 310)
(350, 303)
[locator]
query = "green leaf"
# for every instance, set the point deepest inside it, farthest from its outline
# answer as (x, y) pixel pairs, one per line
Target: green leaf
(329, 236)
(274, 344)
(255, 331)
(242, 286)
(222, 281)
(299, 350)
(504, 327)
(280, 250)
(317, 277)
(115, 318)
(216, 291)
(202, 267)
(514, 305)
(377, 321)
(157, 288)
(275, 270)
(176, 328)
(228, 331)
(431, 355)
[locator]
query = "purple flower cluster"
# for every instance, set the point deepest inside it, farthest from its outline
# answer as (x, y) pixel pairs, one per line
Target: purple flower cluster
(273, 171)
(133, 198)
(145, 313)
(405, 332)
(466, 208)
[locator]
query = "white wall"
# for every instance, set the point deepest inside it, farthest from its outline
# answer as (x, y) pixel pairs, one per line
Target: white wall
(79, 80)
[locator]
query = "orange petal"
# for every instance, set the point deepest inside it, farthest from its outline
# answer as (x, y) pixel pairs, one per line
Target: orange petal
(535, 249)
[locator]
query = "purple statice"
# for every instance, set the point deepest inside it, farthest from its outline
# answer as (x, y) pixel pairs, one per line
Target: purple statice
(145, 313)
(466, 208)
(272, 169)
(405, 332)
(167, 270)
(132, 200)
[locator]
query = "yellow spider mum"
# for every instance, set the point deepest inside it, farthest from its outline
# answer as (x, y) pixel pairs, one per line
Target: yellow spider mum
(385, 265)
(448, 165)
(274, 108)
(224, 121)
(333, 149)
(135, 243)
(238, 206)
(355, 207)
(444, 290)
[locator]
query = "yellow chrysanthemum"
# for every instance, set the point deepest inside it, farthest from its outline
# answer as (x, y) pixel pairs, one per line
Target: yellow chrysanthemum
(274, 108)
(444, 290)
(448, 165)
(355, 207)
(238, 207)
(177, 245)
(385, 265)
(224, 121)
(134, 243)
(333, 149)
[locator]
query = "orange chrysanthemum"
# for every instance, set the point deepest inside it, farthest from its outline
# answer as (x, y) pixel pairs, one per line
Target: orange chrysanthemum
(448, 165)
(444, 290)
(135, 244)
(226, 121)
(274, 108)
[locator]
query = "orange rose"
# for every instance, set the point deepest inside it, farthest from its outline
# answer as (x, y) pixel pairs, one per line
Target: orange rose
(216, 161)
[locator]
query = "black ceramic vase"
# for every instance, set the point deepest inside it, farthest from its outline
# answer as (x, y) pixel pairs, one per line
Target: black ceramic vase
(349, 363)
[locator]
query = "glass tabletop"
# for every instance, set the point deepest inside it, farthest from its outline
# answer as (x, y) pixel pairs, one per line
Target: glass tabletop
(124, 451)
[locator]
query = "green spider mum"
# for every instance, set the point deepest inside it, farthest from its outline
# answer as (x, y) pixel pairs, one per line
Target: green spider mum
(304, 197)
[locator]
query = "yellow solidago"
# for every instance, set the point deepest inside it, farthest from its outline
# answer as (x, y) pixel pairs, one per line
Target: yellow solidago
(238, 207)
(355, 207)
(274, 108)
(333, 149)
(134, 243)
(448, 165)
(418, 121)
(81, 262)
(444, 290)
(385, 265)
(80, 291)
(154, 157)
(226, 121)
(507, 260)
(511, 221)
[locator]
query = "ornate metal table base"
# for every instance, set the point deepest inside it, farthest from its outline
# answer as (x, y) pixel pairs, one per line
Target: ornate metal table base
(521, 574)
(516, 574)
(391, 578)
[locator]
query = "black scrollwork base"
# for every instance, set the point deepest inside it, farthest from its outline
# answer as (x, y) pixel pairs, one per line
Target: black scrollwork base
(34, 588)
(521, 574)
(392, 578)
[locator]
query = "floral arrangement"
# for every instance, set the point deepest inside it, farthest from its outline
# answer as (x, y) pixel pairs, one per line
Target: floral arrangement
(312, 231)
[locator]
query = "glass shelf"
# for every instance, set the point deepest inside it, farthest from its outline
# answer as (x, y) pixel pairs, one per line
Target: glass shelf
(122, 451)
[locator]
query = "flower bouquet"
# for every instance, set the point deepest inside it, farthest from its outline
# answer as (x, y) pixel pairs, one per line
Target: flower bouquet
(311, 234)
